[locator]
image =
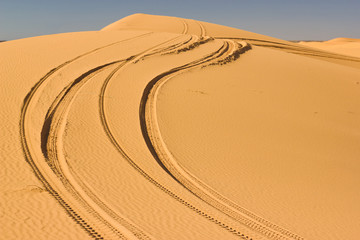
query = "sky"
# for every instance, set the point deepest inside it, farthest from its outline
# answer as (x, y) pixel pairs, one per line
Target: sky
(285, 19)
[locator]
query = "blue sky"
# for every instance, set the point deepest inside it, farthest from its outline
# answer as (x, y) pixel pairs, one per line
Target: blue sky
(286, 19)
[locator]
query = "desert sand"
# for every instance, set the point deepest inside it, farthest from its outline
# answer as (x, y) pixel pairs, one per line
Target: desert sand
(167, 128)
(346, 46)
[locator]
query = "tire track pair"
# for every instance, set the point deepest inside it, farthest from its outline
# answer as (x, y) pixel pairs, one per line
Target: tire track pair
(293, 48)
(100, 215)
(155, 143)
(202, 29)
(29, 156)
(185, 26)
(213, 57)
(53, 129)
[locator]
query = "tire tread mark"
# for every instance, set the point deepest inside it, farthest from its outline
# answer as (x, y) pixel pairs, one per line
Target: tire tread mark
(56, 119)
(185, 26)
(50, 130)
(158, 154)
(202, 29)
(301, 50)
(107, 129)
(25, 145)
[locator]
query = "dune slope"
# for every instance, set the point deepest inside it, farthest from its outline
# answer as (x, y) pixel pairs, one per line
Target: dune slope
(346, 46)
(168, 128)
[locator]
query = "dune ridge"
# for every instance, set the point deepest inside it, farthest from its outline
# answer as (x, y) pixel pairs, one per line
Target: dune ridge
(111, 136)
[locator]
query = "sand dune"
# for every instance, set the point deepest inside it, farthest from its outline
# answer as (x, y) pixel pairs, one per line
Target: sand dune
(167, 128)
(346, 46)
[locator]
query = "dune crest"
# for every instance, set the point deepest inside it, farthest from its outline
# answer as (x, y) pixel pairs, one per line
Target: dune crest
(160, 127)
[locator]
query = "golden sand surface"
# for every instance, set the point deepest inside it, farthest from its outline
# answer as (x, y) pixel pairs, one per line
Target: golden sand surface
(167, 128)
(345, 46)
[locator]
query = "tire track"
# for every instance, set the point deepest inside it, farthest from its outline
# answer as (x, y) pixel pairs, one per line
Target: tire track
(213, 57)
(158, 148)
(191, 45)
(292, 48)
(241, 209)
(168, 49)
(186, 27)
(28, 152)
(54, 126)
(57, 126)
(202, 29)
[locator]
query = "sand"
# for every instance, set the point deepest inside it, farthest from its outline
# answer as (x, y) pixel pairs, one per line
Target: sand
(167, 128)
(345, 46)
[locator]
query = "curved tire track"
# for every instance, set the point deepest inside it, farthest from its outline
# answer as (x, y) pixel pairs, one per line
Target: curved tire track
(57, 121)
(204, 192)
(186, 27)
(28, 152)
(295, 49)
(202, 29)
(213, 57)
(53, 129)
